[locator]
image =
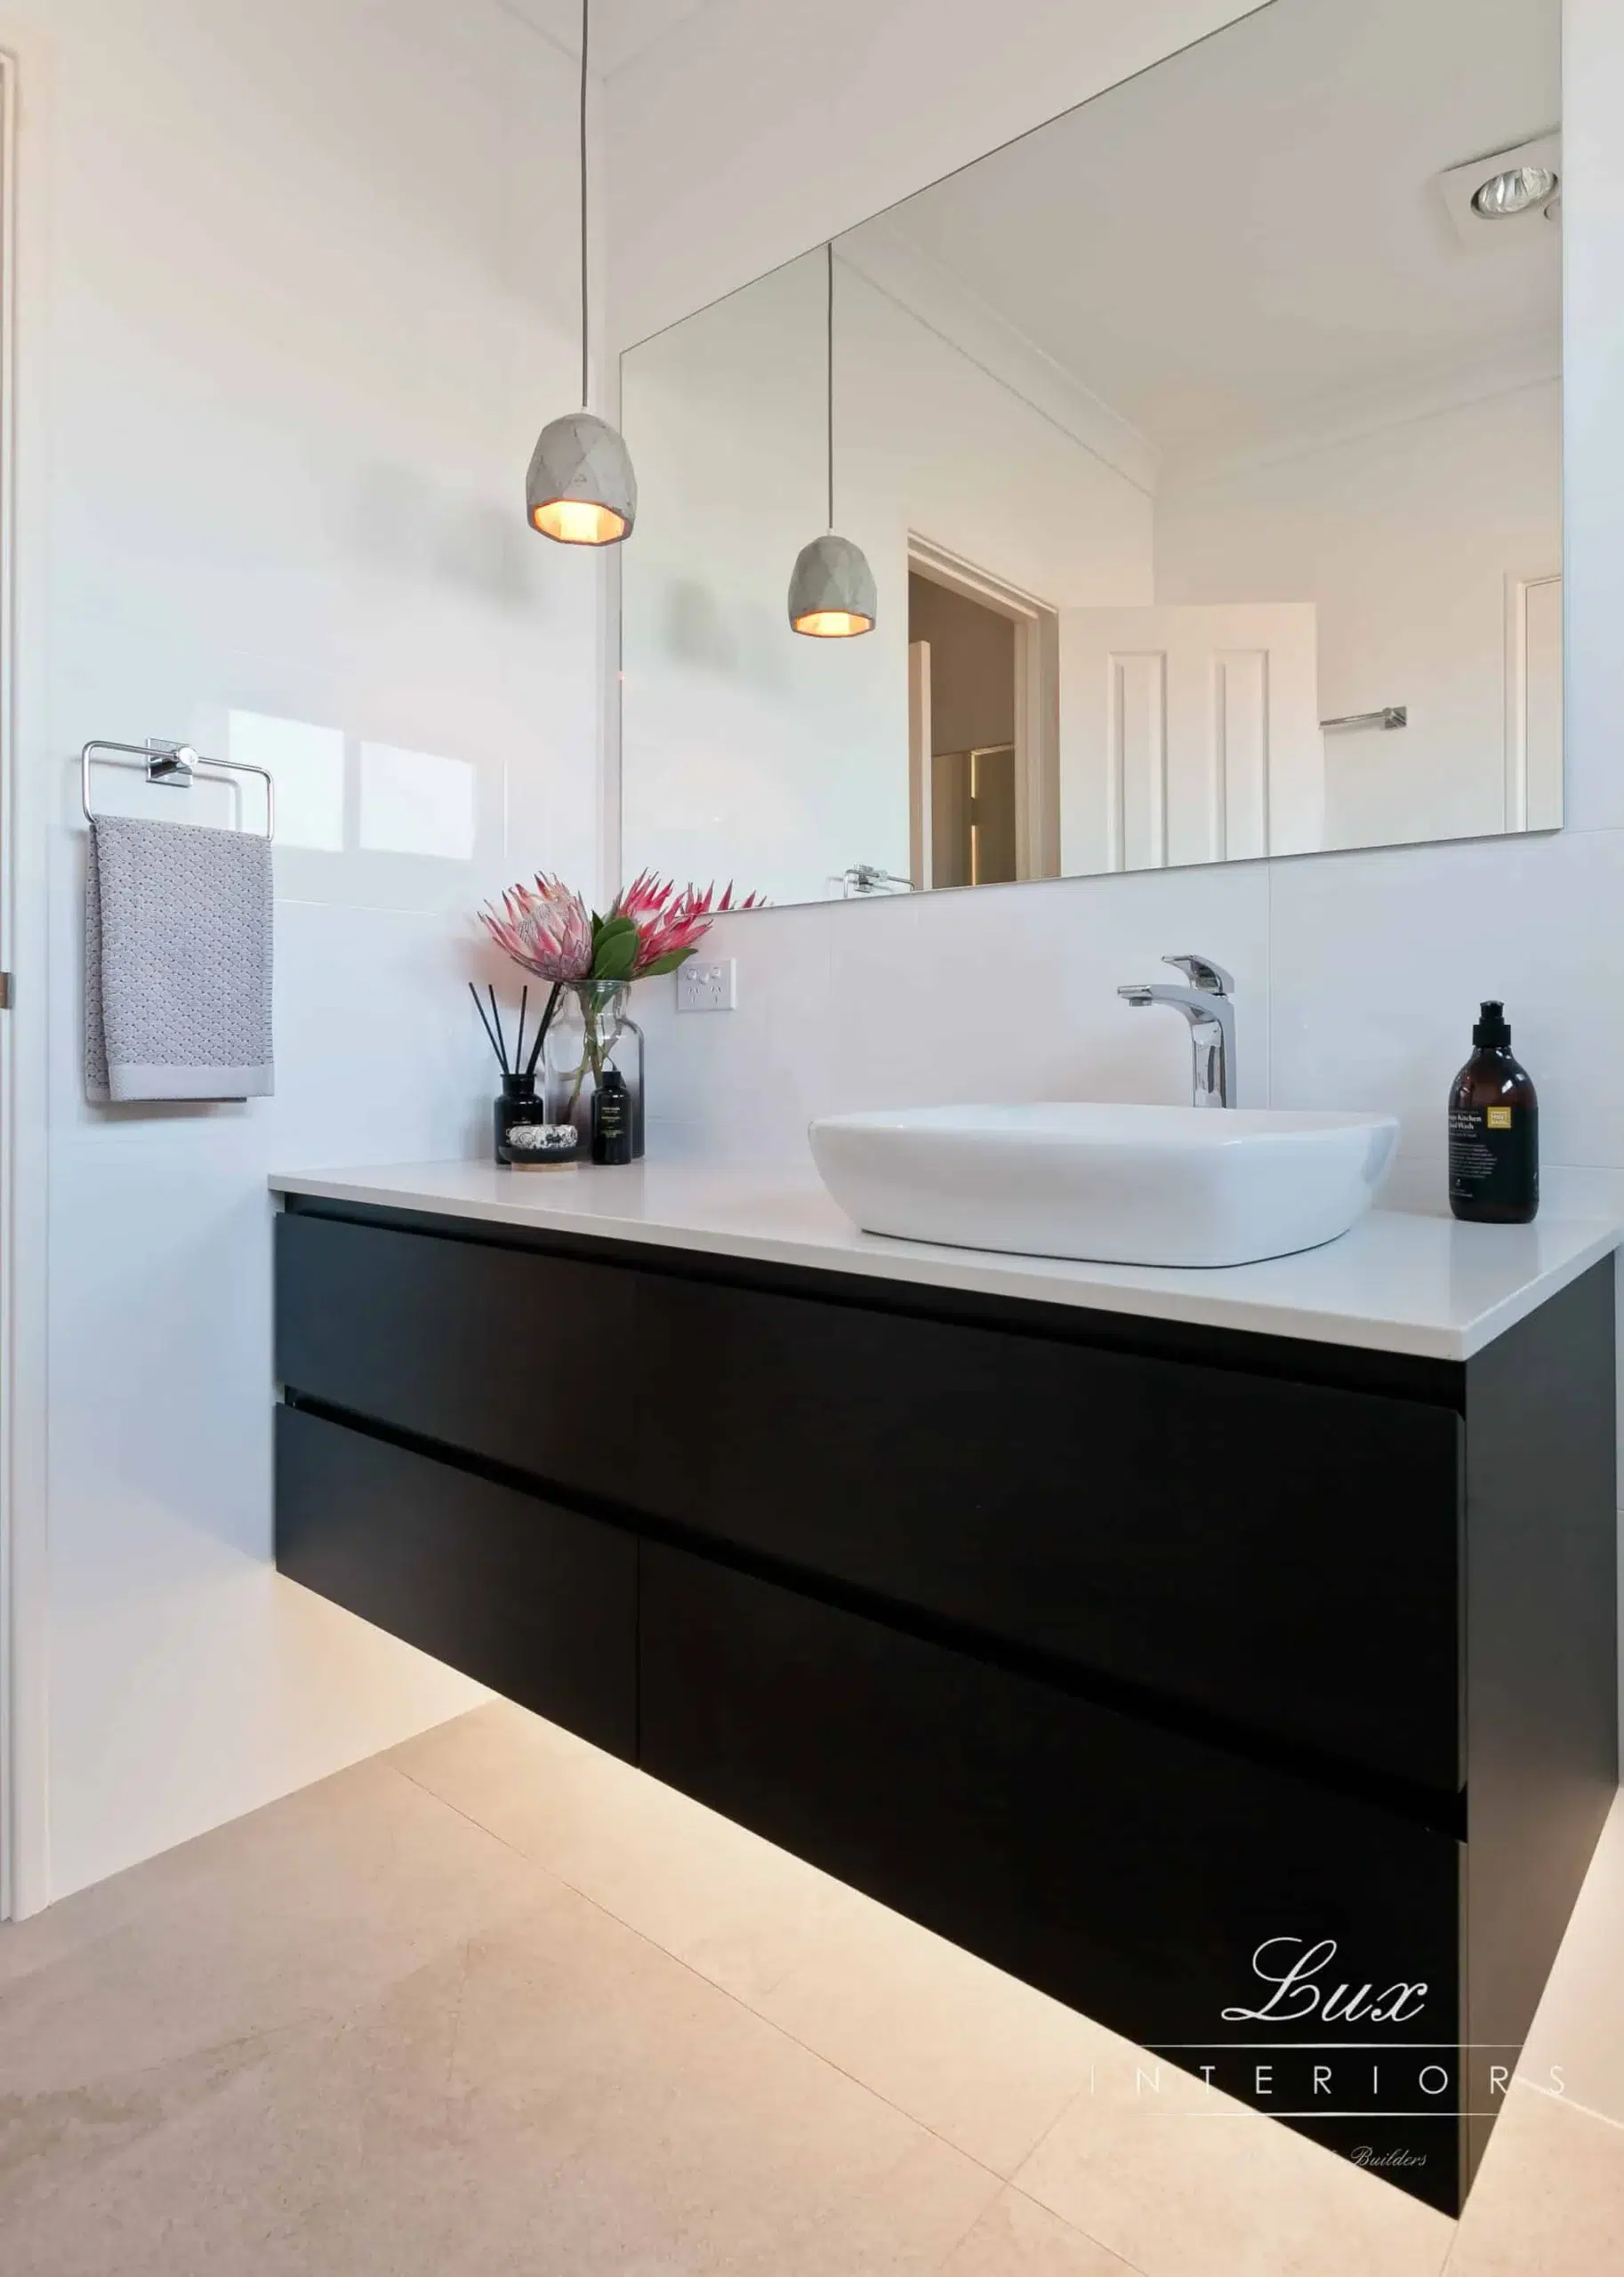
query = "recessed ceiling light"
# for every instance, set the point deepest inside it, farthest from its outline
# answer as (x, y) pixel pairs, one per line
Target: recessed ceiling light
(1513, 192)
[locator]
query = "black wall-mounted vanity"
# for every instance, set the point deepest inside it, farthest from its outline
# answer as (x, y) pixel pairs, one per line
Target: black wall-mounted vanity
(1153, 1659)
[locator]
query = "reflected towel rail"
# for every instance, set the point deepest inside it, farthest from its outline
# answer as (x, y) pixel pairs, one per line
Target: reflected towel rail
(1390, 715)
(176, 764)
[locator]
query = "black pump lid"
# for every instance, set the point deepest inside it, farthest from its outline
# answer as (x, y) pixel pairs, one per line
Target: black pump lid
(1491, 1026)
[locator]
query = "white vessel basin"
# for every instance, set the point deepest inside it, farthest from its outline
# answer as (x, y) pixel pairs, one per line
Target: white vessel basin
(1117, 1184)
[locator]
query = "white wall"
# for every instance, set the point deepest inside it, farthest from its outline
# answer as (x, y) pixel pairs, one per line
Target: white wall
(748, 751)
(295, 296)
(1403, 537)
(1359, 973)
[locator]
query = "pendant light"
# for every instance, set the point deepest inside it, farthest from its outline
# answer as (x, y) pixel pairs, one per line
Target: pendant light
(579, 488)
(832, 587)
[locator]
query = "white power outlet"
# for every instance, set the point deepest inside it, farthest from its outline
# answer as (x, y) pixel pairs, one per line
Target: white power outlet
(711, 986)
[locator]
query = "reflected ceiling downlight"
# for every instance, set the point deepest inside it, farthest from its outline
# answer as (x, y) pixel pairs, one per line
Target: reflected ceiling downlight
(580, 487)
(832, 587)
(1506, 194)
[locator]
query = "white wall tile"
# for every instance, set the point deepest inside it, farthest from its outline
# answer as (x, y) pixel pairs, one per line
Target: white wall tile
(744, 1084)
(1381, 960)
(1005, 992)
(301, 306)
(1010, 992)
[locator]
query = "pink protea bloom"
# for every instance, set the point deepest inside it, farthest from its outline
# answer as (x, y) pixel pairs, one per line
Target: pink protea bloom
(545, 928)
(671, 920)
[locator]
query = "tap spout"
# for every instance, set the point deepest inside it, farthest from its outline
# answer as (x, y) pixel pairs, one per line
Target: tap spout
(1210, 1008)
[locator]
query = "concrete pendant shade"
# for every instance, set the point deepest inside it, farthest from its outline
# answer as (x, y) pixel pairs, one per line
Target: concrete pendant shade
(832, 590)
(579, 488)
(832, 587)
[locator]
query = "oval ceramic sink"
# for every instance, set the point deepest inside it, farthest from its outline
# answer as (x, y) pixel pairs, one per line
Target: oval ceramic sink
(1117, 1184)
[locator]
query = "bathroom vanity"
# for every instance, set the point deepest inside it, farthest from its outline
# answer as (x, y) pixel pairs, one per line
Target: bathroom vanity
(1190, 1644)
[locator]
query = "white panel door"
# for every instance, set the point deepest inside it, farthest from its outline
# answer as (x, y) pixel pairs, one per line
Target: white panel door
(1189, 734)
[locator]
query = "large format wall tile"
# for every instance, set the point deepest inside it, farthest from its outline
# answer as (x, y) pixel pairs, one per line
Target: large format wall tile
(1379, 961)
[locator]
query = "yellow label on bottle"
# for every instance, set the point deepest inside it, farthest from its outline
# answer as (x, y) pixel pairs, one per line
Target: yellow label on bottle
(1499, 1118)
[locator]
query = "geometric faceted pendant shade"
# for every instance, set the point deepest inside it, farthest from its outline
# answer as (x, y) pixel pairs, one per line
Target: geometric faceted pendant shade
(579, 487)
(832, 590)
(832, 587)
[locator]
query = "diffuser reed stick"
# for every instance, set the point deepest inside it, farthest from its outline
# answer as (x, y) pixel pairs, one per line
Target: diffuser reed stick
(497, 1040)
(541, 1034)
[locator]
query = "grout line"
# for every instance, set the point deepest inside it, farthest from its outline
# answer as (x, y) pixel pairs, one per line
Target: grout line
(1004, 2182)
(653, 1944)
(1010, 2182)
(1013, 2190)
(1553, 2095)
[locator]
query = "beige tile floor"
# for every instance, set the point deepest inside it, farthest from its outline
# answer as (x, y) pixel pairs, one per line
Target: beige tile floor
(493, 2003)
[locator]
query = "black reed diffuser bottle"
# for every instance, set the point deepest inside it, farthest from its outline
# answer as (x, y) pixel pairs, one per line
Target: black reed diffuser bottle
(521, 1136)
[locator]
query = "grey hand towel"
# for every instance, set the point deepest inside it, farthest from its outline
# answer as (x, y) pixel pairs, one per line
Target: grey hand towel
(177, 962)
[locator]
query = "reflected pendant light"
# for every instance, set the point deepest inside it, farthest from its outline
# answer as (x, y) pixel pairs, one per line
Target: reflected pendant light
(832, 587)
(579, 488)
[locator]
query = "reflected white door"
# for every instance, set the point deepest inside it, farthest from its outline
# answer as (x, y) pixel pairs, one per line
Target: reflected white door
(920, 822)
(1189, 734)
(1533, 702)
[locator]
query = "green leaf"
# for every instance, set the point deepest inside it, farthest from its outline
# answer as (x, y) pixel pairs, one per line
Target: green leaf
(615, 952)
(667, 963)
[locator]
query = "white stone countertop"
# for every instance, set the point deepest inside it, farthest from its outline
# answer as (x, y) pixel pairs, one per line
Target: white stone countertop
(1398, 1282)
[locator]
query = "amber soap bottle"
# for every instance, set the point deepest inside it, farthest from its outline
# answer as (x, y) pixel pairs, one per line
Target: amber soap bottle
(1493, 1131)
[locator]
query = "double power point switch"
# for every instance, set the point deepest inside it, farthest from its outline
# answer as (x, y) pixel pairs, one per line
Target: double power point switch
(708, 985)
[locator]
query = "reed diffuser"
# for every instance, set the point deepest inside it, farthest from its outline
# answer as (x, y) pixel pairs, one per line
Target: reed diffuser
(522, 1138)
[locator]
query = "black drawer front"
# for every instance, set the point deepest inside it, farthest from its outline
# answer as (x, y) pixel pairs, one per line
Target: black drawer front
(1131, 1873)
(504, 1353)
(1280, 1555)
(537, 1602)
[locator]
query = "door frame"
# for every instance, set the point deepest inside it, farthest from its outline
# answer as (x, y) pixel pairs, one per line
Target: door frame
(10, 1750)
(25, 800)
(1037, 706)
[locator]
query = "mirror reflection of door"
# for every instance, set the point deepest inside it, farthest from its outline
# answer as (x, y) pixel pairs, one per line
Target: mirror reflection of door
(1533, 702)
(1189, 734)
(965, 667)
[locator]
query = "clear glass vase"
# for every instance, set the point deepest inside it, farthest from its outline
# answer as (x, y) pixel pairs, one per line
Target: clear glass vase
(594, 1070)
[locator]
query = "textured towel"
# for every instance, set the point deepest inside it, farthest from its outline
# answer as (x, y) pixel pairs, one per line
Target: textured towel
(177, 962)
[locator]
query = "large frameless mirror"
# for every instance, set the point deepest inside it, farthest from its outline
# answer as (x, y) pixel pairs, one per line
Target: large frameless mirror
(1204, 447)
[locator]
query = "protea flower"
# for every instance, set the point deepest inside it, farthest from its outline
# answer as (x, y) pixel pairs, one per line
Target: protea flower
(671, 921)
(546, 930)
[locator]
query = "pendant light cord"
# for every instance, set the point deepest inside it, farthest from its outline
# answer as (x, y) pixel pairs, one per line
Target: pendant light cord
(828, 374)
(586, 19)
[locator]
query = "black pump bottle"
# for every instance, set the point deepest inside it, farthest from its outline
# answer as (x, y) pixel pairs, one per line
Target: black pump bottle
(1493, 1131)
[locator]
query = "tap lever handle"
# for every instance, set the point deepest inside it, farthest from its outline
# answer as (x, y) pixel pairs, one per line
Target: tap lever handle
(1201, 972)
